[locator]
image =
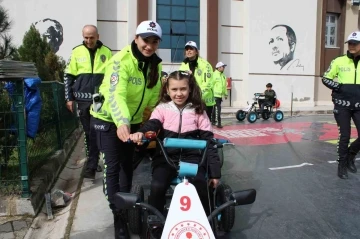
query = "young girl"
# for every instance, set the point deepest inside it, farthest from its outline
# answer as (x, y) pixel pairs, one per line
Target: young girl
(180, 113)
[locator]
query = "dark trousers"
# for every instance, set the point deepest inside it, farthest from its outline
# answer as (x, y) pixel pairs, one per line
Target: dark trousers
(162, 176)
(343, 118)
(91, 149)
(209, 110)
(117, 156)
(264, 104)
(216, 114)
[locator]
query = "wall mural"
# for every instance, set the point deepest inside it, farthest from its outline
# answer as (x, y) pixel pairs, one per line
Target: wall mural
(52, 30)
(282, 47)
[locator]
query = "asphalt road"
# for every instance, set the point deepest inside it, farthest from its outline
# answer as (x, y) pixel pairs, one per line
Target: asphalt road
(298, 192)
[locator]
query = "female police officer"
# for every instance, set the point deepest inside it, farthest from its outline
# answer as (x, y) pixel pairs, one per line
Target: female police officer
(346, 99)
(131, 83)
(203, 72)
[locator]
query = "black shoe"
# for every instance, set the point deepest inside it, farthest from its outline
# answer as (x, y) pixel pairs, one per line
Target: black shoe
(98, 169)
(90, 173)
(342, 170)
(121, 229)
(351, 163)
(219, 126)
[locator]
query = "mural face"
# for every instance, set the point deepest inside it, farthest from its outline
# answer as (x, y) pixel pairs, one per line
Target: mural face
(52, 30)
(282, 45)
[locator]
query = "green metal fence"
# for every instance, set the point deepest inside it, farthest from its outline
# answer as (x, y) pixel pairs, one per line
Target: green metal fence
(21, 156)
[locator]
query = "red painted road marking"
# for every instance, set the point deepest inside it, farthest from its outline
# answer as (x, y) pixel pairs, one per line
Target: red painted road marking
(279, 133)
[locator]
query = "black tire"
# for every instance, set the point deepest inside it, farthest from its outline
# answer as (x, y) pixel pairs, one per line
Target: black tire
(144, 230)
(134, 214)
(221, 156)
(278, 116)
(252, 117)
(265, 114)
(227, 216)
(240, 115)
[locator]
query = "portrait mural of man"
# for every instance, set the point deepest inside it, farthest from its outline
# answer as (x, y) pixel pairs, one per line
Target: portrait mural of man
(282, 45)
(52, 30)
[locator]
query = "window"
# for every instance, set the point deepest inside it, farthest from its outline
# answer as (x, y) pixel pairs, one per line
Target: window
(180, 22)
(331, 30)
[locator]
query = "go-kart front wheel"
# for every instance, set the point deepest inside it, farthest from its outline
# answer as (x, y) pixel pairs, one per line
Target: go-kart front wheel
(226, 218)
(135, 214)
(278, 116)
(240, 115)
(252, 117)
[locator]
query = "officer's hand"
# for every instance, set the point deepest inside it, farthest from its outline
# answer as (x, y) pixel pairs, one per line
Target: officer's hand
(123, 132)
(69, 105)
(214, 182)
(137, 138)
(225, 97)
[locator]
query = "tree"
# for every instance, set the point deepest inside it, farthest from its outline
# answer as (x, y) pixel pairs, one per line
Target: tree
(36, 49)
(7, 49)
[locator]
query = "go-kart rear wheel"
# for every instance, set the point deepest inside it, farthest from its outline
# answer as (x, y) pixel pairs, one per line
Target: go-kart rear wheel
(252, 117)
(278, 116)
(240, 115)
(265, 114)
(227, 217)
(134, 214)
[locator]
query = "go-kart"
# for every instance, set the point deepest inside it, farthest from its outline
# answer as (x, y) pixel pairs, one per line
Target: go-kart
(253, 112)
(185, 217)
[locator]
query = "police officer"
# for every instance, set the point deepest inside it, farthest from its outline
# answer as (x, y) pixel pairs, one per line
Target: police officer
(84, 72)
(203, 73)
(132, 82)
(346, 99)
(220, 91)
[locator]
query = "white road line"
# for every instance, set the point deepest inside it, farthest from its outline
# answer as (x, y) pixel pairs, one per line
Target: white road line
(357, 159)
(292, 166)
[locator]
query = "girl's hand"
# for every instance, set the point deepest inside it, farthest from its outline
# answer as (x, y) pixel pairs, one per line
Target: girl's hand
(137, 138)
(123, 132)
(214, 182)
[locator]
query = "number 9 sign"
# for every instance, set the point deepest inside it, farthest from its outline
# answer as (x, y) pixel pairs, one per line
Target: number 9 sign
(185, 203)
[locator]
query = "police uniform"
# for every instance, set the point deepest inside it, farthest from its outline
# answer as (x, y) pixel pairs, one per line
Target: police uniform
(126, 94)
(346, 99)
(203, 72)
(220, 91)
(84, 72)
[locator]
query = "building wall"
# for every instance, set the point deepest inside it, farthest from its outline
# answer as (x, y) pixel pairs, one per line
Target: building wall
(236, 32)
(72, 19)
(231, 44)
(267, 47)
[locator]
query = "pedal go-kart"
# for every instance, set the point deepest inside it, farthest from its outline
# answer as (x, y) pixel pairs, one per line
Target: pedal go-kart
(185, 218)
(252, 111)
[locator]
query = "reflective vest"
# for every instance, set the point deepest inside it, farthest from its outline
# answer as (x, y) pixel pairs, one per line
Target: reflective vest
(125, 91)
(204, 77)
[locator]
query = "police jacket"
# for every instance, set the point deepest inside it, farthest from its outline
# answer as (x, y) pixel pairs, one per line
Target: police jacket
(345, 92)
(125, 90)
(219, 84)
(184, 123)
(85, 71)
(203, 73)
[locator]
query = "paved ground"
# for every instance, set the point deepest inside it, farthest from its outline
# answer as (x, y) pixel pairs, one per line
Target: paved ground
(290, 164)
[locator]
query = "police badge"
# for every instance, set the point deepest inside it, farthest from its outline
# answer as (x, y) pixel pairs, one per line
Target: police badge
(103, 58)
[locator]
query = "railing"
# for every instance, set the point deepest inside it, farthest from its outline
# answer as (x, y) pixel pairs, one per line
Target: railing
(20, 155)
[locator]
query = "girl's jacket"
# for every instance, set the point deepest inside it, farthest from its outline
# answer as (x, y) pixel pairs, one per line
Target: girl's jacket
(172, 122)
